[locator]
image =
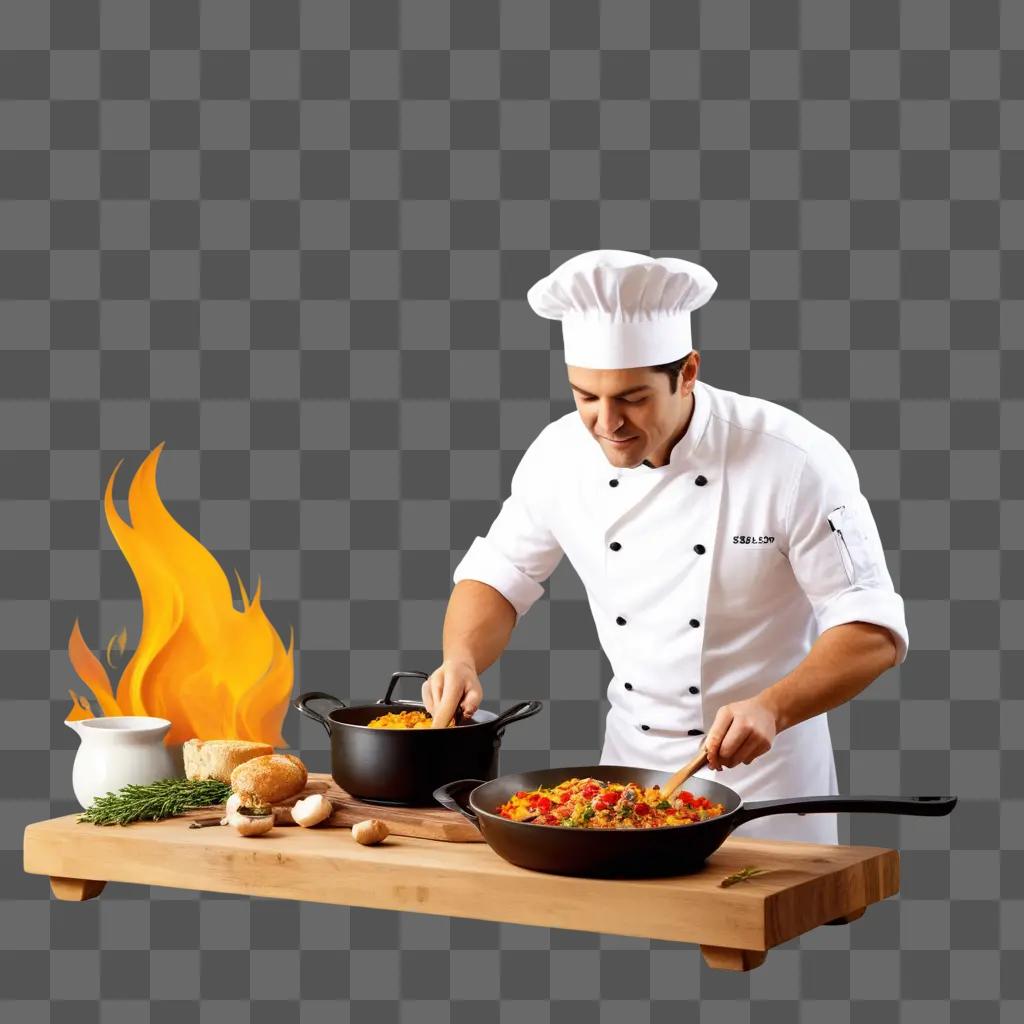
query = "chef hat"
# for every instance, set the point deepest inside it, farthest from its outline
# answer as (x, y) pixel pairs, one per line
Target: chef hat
(621, 309)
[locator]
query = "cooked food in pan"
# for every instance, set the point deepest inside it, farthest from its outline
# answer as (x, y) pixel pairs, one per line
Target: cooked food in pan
(591, 803)
(404, 720)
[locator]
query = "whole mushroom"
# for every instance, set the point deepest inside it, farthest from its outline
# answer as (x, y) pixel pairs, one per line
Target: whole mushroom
(252, 821)
(369, 832)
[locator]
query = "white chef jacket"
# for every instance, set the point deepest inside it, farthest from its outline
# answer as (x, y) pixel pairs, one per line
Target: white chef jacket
(709, 579)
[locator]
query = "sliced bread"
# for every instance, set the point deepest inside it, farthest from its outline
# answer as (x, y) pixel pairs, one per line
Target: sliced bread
(216, 759)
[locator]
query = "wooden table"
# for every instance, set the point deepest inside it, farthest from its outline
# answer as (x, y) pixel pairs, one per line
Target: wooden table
(806, 885)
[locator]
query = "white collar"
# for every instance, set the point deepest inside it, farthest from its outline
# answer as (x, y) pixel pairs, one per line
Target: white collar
(681, 456)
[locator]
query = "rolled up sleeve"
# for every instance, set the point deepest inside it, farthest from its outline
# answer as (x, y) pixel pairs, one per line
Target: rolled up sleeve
(519, 551)
(835, 550)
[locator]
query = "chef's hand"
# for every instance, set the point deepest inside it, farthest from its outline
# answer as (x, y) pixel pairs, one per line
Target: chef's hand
(453, 684)
(741, 732)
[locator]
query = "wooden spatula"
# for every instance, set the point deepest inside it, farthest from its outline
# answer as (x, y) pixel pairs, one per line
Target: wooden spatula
(668, 790)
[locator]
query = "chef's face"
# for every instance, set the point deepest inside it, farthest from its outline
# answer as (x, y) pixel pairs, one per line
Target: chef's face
(634, 414)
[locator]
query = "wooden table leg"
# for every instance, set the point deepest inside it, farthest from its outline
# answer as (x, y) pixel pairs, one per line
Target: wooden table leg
(76, 889)
(723, 958)
(847, 918)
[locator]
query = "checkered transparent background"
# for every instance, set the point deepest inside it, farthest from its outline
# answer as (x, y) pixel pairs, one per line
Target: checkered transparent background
(292, 242)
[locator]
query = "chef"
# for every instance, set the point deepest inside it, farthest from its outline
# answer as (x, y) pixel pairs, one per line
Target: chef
(731, 563)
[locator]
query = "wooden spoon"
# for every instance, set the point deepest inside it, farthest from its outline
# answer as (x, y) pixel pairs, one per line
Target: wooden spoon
(684, 773)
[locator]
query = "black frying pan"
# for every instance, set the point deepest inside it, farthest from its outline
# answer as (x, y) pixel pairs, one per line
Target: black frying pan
(637, 853)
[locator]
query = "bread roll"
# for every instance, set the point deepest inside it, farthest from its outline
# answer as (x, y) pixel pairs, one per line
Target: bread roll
(216, 759)
(269, 779)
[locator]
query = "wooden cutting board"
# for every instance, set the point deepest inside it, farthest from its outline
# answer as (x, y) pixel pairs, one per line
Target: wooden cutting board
(802, 886)
(421, 822)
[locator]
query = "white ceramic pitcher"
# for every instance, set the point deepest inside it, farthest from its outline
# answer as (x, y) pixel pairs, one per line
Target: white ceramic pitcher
(119, 750)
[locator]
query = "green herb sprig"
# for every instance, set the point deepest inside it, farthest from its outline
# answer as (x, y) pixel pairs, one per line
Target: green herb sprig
(741, 876)
(163, 799)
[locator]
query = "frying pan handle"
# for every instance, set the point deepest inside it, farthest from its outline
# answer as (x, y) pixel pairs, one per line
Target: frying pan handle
(300, 705)
(517, 713)
(421, 676)
(933, 806)
(452, 796)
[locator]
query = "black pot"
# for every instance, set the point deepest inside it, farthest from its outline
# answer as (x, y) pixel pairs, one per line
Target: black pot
(637, 853)
(403, 767)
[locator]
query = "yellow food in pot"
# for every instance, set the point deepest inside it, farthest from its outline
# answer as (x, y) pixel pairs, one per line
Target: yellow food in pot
(405, 720)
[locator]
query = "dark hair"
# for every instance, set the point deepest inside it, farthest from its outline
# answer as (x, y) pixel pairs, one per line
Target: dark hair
(672, 370)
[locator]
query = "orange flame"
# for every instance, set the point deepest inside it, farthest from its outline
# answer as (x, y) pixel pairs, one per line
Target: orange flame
(213, 671)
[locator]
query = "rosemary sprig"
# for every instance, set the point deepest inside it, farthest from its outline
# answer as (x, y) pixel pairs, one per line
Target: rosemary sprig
(741, 876)
(163, 799)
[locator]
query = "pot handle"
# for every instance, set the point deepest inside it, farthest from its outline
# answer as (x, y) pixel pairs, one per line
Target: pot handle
(517, 713)
(422, 676)
(451, 795)
(300, 705)
(933, 806)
